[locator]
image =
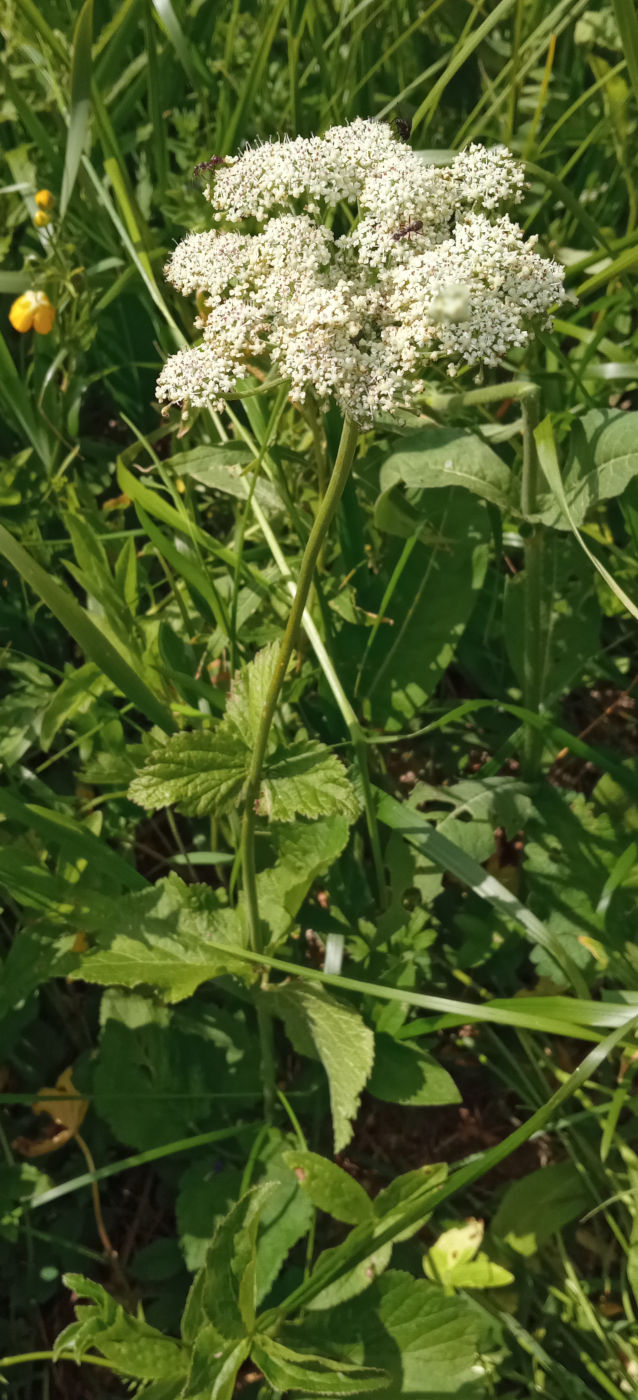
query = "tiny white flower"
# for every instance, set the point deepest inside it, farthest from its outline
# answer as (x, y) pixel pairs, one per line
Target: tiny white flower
(424, 269)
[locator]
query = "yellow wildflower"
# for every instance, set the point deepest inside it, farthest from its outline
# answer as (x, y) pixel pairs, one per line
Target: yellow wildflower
(41, 219)
(44, 199)
(32, 310)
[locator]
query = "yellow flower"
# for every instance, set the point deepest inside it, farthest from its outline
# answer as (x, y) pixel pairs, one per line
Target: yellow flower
(41, 219)
(32, 310)
(44, 199)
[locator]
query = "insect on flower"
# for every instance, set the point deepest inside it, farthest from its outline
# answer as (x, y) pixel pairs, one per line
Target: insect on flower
(403, 127)
(415, 226)
(206, 165)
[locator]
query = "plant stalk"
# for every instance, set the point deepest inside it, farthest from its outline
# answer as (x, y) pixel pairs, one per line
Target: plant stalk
(532, 746)
(325, 514)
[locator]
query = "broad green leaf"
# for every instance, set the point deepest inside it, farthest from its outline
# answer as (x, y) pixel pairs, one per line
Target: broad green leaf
(329, 1187)
(427, 1341)
(303, 852)
(477, 808)
(229, 1291)
(80, 102)
(570, 617)
(158, 1070)
(546, 446)
(224, 468)
(205, 1196)
(306, 779)
(172, 936)
(202, 773)
(436, 457)
(285, 1370)
(412, 1078)
(602, 460)
(330, 1030)
(539, 1205)
(428, 598)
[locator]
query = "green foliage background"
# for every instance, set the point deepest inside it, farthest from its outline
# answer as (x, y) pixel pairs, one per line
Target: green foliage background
(145, 562)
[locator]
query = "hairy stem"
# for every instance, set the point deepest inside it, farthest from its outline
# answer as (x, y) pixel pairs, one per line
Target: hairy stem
(532, 747)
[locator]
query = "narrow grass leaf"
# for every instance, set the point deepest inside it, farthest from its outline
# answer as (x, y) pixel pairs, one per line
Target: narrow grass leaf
(79, 114)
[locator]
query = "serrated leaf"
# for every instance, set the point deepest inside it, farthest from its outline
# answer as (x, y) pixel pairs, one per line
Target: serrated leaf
(286, 1216)
(329, 1187)
(229, 1291)
(134, 1348)
(213, 1372)
(306, 780)
(303, 852)
(202, 773)
(448, 457)
(248, 693)
(172, 936)
(320, 1025)
(409, 1078)
(285, 1370)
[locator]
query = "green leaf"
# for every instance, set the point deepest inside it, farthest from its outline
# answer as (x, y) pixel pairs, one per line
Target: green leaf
(570, 621)
(412, 1078)
(286, 1217)
(75, 694)
(81, 64)
(205, 1196)
(158, 1070)
(429, 596)
(202, 773)
(213, 1372)
(89, 638)
(427, 1341)
(404, 1194)
(172, 936)
(248, 694)
(329, 1187)
(303, 852)
(285, 1370)
(224, 469)
(602, 460)
(478, 808)
(549, 462)
(436, 457)
(306, 779)
(454, 1261)
(131, 1345)
(539, 1205)
(229, 1291)
(321, 1026)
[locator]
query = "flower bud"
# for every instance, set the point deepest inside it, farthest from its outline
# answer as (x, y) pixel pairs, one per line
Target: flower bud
(41, 219)
(44, 199)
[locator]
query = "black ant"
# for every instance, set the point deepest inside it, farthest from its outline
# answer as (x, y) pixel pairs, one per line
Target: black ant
(406, 229)
(207, 165)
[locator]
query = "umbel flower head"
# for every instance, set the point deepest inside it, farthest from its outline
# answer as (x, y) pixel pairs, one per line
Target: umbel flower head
(420, 266)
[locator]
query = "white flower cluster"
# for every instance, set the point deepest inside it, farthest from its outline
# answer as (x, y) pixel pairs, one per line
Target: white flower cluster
(420, 273)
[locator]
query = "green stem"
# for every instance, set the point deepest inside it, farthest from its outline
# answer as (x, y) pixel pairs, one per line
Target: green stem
(323, 518)
(532, 746)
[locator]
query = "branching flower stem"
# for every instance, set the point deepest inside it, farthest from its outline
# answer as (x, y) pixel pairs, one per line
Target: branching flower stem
(325, 514)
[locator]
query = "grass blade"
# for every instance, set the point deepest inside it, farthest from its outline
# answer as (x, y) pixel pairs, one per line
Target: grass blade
(80, 102)
(78, 624)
